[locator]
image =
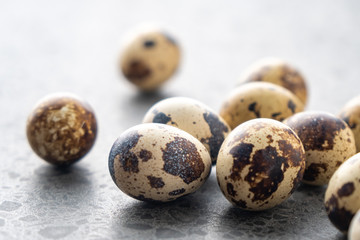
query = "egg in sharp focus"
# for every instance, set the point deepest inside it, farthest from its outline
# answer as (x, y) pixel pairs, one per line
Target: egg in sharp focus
(259, 100)
(149, 58)
(61, 128)
(328, 142)
(279, 72)
(157, 162)
(350, 113)
(260, 164)
(193, 117)
(342, 196)
(354, 229)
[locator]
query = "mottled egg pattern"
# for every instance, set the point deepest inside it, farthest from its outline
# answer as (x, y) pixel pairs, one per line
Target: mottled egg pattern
(354, 229)
(157, 162)
(260, 164)
(278, 72)
(149, 59)
(61, 129)
(327, 140)
(342, 197)
(350, 113)
(193, 117)
(259, 100)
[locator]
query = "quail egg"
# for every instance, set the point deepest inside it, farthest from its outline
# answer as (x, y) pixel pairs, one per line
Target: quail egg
(61, 129)
(279, 72)
(260, 164)
(157, 162)
(193, 117)
(342, 197)
(327, 140)
(259, 100)
(351, 115)
(149, 58)
(354, 229)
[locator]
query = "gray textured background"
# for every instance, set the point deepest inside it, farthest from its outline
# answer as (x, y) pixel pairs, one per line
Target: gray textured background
(73, 45)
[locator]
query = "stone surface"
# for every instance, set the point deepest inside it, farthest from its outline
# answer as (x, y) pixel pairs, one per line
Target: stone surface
(72, 46)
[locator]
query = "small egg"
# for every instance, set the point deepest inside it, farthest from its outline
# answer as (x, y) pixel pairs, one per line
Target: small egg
(350, 113)
(354, 229)
(279, 72)
(342, 196)
(259, 100)
(157, 162)
(61, 129)
(260, 164)
(193, 117)
(327, 140)
(149, 59)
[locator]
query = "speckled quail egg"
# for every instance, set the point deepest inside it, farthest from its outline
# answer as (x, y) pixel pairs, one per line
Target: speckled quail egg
(327, 140)
(193, 117)
(157, 162)
(149, 58)
(354, 229)
(342, 196)
(260, 164)
(350, 113)
(61, 129)
(279, 72)
(259, 100)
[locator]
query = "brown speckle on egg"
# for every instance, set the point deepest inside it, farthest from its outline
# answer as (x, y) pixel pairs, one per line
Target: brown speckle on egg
(182, 159)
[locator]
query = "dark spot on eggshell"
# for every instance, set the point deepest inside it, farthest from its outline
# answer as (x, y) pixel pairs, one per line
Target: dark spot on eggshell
(149, 43)
(121, 151)
(269, 137)
(145, 155)
(137, 71)
(241, 155)
(340, 217)
(161, 118)
(230, 189)
(274, 115)
(177, 192)
(346, 190)
(317, 132)
(313, 171)
(265, 173)
(295, 156)
(252, 108)
(292, 106)
(338, 163)
(217, 129)
(239, 203)
(155, 182)
(181, 158)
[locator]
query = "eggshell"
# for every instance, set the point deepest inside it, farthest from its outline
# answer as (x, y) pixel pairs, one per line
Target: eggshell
(354, 229)
(259, 100)
(260, 164)
(342, 197)
(149, 58)
(61, 128)
(157, 162)
(279, 72)
(350, 113)
(193, 117)
(327, 140)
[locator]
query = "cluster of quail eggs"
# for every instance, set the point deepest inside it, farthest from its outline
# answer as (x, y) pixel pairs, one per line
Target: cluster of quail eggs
(262, 142)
